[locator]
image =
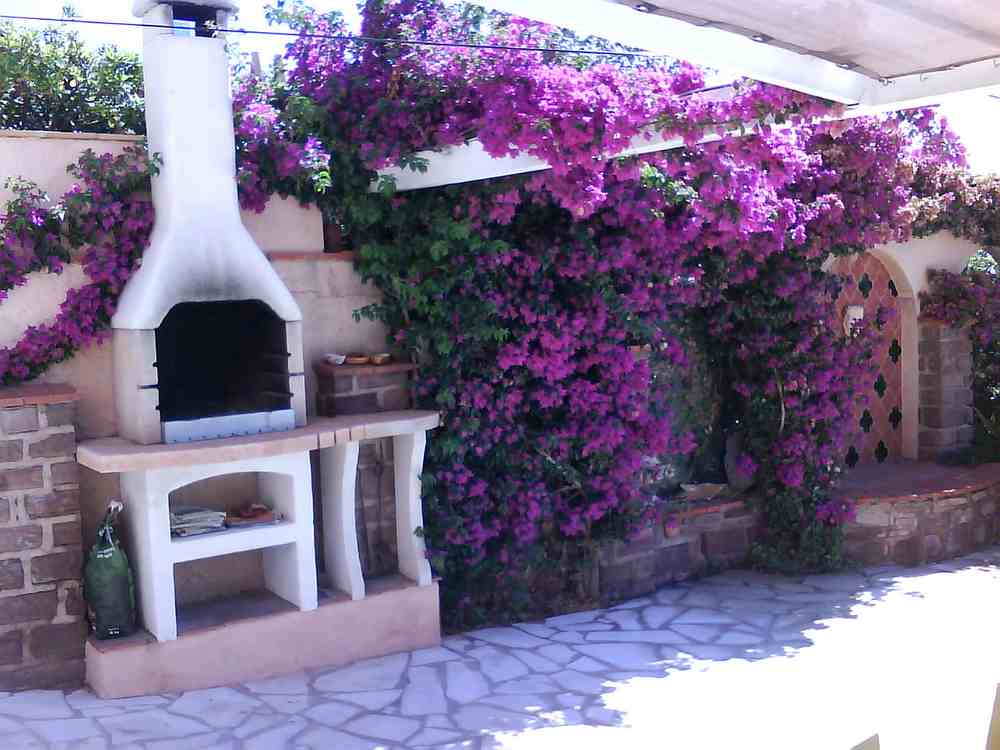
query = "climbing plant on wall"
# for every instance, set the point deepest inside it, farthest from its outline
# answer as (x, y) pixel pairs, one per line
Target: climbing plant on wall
(104, 221)
(522, 297)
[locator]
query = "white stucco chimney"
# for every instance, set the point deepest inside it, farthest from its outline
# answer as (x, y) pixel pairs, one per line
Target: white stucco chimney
(207, 337)
(199, 251)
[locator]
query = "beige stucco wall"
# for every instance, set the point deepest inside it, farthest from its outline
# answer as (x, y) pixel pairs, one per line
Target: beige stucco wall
(43, 157)
(326, 288)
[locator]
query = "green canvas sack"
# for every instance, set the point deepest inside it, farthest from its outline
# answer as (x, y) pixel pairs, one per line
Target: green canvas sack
(107, 582)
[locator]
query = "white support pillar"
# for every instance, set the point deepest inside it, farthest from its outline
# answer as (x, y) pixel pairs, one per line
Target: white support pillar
(290, 570)
(339, 470)
(147, 516)
(408, 452)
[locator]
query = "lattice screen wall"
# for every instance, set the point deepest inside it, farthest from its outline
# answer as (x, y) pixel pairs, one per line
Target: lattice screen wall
(879, 422)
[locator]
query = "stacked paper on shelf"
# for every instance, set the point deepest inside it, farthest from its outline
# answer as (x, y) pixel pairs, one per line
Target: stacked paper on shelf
(187, 520)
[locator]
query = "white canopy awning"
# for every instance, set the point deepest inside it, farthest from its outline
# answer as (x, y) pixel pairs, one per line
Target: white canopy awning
(881, 54)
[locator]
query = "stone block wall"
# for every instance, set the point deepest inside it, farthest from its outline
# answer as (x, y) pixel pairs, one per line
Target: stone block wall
(42, 623)
(358, 390)
(945, 363)
(925, 528)
(709, 538)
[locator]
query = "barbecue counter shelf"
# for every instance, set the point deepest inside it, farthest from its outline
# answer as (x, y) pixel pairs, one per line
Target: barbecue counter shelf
(149, 473)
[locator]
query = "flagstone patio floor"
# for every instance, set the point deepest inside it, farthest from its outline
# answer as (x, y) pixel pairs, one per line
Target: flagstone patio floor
(738, 660)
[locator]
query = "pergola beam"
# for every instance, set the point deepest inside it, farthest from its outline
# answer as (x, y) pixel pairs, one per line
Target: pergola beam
(920, 89)
(716, 47)
(471, 163)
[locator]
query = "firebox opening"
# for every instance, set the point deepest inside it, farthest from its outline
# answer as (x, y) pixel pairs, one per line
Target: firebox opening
(221, 358)
(203, 20)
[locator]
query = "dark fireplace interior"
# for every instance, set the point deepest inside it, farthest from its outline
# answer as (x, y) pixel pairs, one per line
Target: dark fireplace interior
(221, 358)
(203, 19)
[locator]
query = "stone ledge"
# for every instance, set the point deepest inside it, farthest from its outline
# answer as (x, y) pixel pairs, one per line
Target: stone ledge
(721, 506)
(306, 255)
(713, 533)
(37, 394)
(915, 481)
(116, 455)
(326, 370)
(950, 511)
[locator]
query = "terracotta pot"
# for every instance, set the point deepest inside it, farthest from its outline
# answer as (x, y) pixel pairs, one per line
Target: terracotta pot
(671, 528)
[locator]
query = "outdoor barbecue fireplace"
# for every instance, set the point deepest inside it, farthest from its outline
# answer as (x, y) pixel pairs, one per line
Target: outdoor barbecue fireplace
(207, 337)
(222, 370)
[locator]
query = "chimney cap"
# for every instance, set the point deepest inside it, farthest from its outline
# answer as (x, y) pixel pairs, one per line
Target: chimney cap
(142, 7)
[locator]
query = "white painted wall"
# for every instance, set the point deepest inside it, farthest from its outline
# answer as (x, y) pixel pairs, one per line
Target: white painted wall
(911, 260)
(326, 289)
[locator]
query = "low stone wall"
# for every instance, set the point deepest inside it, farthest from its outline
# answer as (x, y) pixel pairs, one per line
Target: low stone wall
(909, 513)
(709, 538)
(917, 529)
(42, 626)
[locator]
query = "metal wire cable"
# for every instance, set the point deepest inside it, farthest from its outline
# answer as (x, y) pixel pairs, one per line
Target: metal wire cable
(384, 41)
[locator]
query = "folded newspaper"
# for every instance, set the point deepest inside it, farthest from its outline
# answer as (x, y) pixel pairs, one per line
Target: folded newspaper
(188, 520)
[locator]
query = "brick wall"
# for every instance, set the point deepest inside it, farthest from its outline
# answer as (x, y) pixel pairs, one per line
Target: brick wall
(946, 420)
(358, 390)
(42, 626)
(362, 389)
(708, 538)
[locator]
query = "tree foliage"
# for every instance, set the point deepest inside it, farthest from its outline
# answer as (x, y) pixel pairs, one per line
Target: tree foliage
(51, 80)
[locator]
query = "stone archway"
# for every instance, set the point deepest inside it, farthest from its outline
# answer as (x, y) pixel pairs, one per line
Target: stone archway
(936, 360)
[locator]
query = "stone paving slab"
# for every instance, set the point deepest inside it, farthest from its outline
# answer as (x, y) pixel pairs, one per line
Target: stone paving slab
(737, 660)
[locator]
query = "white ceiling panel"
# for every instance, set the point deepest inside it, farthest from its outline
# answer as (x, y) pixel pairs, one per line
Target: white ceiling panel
(878, 54)
(882, 38)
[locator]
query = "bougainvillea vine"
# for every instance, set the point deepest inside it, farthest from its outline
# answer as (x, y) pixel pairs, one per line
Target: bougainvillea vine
(104, 221)
(523, 297)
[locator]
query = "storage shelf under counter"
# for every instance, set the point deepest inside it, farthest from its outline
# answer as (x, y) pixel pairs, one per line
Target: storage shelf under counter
(150, 473)
(231, 541)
